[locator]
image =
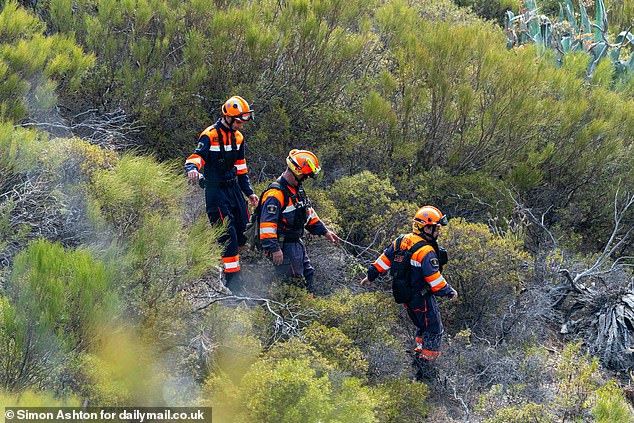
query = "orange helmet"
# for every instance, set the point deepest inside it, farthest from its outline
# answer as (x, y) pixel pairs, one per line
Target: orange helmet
(428, 215)
(303, 162)
(236, 107)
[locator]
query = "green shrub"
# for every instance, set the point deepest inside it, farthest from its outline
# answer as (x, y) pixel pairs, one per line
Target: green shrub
(121, 369)
(290, 390)
(76, 160)
(68, 291)
(35, 67)
(369, 210)
(611, 406)
(19, 150)
(371, 321)
(526, 412)
(158, 254)
(486, 270)
(477, 196)
(337, 348)
(364, 318)
(401, 400)
(136, 188)
(33, 398)
(56, 304)
(492, 10)
(578, 378)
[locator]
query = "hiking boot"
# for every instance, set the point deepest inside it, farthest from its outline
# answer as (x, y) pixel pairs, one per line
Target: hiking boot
(233, 281)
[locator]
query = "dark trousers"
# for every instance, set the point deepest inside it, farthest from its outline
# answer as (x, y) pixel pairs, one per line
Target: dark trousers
(227, 202)
(424, 313)
(296, 264)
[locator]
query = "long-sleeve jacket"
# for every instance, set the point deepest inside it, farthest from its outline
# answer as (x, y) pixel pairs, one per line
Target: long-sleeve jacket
(286, 216)
(424, 262)
(220, 154)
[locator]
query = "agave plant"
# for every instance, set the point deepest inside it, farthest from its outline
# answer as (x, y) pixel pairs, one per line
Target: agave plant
(570, 33)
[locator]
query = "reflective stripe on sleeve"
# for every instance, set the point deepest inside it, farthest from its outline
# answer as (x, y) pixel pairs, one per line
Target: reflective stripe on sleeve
(196, 160)
(436, 281)
(268, 230)
(382, 264)
(241, 166)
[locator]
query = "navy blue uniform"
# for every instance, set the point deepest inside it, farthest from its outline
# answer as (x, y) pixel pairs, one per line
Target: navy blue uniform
(422, 309)
(282, 223)
(220, 154)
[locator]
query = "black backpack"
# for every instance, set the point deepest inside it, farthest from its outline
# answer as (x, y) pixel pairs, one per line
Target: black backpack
(252, 231)
(402, 289)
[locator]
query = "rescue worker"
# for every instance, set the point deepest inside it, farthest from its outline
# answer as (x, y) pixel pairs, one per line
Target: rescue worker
(425, 277)
(219, 161)
(284, 214)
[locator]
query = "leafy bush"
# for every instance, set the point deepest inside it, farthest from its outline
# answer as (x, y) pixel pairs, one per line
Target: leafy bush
(157, 254)
(369, 210)
(289, 390)
(578, 378)
(32, 398)
(337, 348)
(18, 152)
(526, 412)
(138, 187)
(77, 161)
(56, 301)
(487, 271)
(121, 369)
(401, 400)
(365, 318)
(35, 67)
(69, 291)
(611, 405)
(476, 197)
(371, 321)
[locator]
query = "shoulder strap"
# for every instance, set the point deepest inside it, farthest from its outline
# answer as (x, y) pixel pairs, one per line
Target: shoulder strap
(420, 244)
(221, 141)
(413, 248)
(275, 185)
(283, 186)
(397, 242)
(234, 145)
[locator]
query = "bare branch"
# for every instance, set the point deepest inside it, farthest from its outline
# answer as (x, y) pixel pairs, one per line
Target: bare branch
(362, 248)
(114, 129)
(288, 320)
(611, 246)
(539, 222)
(459, 399)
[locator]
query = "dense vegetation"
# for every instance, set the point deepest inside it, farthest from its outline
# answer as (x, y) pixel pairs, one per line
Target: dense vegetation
(109, 292)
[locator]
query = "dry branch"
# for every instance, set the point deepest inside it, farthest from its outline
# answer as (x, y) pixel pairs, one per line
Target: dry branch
(115, 129)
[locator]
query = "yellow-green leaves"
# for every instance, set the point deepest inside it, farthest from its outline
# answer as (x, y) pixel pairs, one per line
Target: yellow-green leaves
(35, 67)
(16, 23)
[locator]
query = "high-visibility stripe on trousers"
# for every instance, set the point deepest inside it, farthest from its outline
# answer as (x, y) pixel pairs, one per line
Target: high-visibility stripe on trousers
(231, 264)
